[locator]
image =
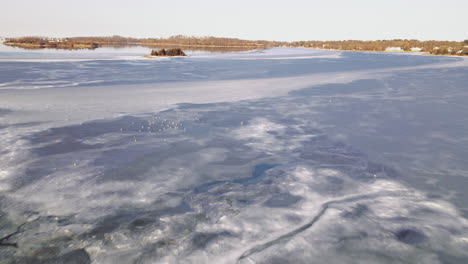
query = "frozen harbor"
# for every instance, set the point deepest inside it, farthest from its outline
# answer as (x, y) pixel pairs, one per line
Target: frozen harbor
(270, 156)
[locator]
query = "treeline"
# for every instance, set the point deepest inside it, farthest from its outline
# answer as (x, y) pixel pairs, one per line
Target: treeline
(181, 41)
(174, 41)
(209, 41)
(54, 43)
(432, 47)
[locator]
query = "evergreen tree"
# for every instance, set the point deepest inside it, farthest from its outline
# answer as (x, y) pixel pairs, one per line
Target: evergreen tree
(162, 52)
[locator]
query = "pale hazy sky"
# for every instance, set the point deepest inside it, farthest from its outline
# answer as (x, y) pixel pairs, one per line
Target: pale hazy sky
(248, 19)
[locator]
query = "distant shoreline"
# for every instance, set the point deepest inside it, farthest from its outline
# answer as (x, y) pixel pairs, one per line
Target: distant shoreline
(455, 48)
(97, 42)
(54, 46)
(419, 52)
(85, 46)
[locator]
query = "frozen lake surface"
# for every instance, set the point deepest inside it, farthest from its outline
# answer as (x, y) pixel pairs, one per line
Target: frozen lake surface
(270, 156)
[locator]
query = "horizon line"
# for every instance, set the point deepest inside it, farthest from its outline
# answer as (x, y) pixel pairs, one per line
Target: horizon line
(167, 37)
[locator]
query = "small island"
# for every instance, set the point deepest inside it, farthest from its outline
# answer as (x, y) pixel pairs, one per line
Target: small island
(166, 53)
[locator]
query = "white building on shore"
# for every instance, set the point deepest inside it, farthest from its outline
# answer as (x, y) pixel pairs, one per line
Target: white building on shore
(393, 49)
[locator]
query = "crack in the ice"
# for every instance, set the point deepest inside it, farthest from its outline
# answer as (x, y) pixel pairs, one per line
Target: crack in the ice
(309, 224)
(3, 244)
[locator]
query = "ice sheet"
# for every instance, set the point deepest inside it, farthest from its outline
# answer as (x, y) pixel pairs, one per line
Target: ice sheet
(246, 159)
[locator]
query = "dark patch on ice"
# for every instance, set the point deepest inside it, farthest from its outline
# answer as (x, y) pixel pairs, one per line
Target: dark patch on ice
(358, 236)
(134, 220)
(330, 185)
(201, 240)
(257, 176)
(32, 174)
(322, 151)
(330, 158)
(340, 89)
(141, 223)
(110, 224)
(60, 220)
(232, 160)
(410, 236)
(155, 251)
(77, 256)
(282, 200)
(294, 219)
(4, 112)
(223, 188)
(375, 168)
(446, 258)
(226, 119)
(24, 260)
(334, 180)
(66, 145)
(356, 211)
(464, 213)
(205, 187)
(181, 208)
(434, 196)
(47, 252)
(294, 257)
(194, 106)
(104, 227)
(116, 157)
(135, 169)
(258, 171)
(97, 128)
